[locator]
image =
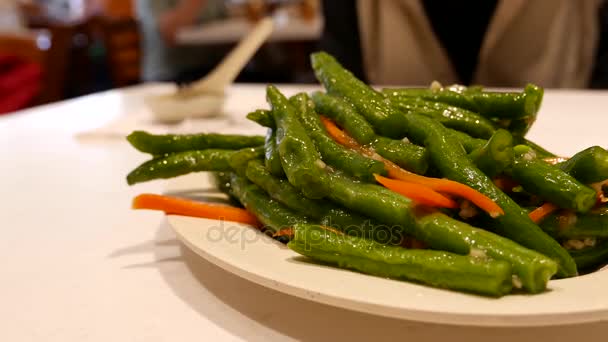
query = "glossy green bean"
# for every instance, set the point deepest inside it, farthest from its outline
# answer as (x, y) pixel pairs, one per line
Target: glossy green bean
(436, 268)
(593, 224)
(300, 159)
(439, 231)
(403, 153)
(549, 182)
(333, 153)
(181, 163)
(238, 161)
(325, 212)
(171, 143)
(445, 233)
(541, 152)
(262, 117)
(469, 143)
(508, 105)
(450, 116)
(496, 155)
(272, 159)
(221, 180)
(450, 159)
(272, 214)
(385, 119)
(588, 166)
(345, 115)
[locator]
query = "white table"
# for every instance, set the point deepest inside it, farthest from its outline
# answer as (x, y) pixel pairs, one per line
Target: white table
(78, 265)
(289, 29)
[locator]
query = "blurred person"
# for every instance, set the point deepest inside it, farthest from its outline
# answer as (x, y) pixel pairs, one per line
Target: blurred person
(497, 43)
(163, 58)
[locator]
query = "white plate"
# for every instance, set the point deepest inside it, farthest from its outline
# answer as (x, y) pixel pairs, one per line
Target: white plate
(569, 121)
(250, 254)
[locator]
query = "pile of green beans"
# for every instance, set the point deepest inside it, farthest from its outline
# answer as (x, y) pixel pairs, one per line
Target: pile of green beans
(297, 178)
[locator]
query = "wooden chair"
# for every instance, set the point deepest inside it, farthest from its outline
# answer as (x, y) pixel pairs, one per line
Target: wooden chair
(37, 46)
(122, 40)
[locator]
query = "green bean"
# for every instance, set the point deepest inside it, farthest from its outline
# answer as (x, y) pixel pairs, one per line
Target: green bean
(450, 158)
(593, 224)
(272, 159)
(333, 153)
(519, 127)
(170, 143)
(272, 214)
(507, 105)
(282, 191)
(405, 154)
(263, 117)
(591, 257)
(440, 269)
(181, 163)
(540, 151)
(469, 143)
(221, 180)
(325, 212)
(439, 231)
(300, 159)
(238, 161)
(372, 105)
(372, 200)
(450, 116)
(345, 115)
(549, 182)
(588, 166)
(496, 155)
(442, 232)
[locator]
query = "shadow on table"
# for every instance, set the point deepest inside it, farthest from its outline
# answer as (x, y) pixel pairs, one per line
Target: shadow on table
(248, 306)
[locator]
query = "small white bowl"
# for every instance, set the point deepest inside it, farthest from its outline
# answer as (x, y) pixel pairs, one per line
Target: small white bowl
(170, 108)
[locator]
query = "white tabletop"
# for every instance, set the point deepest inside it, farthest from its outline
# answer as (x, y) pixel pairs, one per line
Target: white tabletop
(288, 28)
(79, 265)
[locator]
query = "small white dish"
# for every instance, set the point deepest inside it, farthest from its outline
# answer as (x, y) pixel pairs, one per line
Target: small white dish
(205, 97)
(167, 108)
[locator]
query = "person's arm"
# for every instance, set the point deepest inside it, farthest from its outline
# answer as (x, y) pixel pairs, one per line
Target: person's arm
(184, 14)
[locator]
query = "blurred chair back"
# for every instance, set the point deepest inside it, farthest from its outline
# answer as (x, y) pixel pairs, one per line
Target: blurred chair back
(36, 46)
(31, 46)
(122, 40)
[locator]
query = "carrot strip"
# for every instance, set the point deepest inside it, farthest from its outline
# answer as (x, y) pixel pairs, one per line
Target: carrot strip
(339, 135)
(453, 188)
(284, 232)
(541, 212)
(437, 184)
(417, 192)
(179, 206)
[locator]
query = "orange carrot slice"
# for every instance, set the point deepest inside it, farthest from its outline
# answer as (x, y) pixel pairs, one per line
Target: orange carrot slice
(541, 212)
(284, 232)
(339, 135)
(418, 193)
(179, 206)
(453, 188)
(437, 184)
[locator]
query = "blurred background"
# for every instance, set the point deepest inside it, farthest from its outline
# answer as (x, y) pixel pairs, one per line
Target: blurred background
(52, 50)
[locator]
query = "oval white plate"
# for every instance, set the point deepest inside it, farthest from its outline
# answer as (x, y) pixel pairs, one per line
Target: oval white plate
(250, 254)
